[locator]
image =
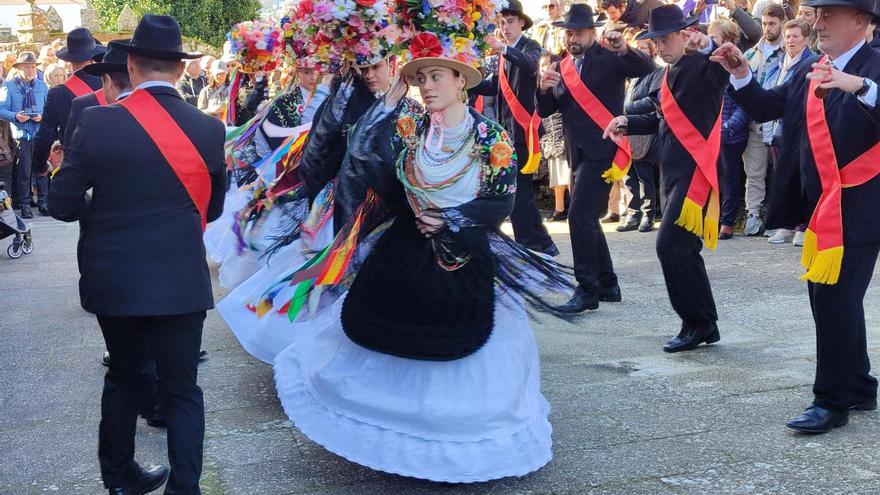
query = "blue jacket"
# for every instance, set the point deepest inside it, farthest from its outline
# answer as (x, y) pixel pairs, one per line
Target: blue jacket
(774, 128)
(11, 100)
(734, 122)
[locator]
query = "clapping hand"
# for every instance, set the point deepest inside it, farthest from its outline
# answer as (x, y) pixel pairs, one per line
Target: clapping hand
(831, 78)
(616, 129)
(732, 59)
(549, 79)
(613, 41)
(697, 41)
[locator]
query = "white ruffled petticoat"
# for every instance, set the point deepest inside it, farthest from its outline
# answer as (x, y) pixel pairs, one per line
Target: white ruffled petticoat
(473, 419)
(219, 239)
(237, 267)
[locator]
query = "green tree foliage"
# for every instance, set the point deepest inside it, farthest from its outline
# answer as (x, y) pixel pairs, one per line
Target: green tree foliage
(205, 20)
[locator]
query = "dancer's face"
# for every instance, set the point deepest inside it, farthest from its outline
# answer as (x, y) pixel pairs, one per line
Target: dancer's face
(308, 78)
(377, 76)
(577, 41)
(440, 87)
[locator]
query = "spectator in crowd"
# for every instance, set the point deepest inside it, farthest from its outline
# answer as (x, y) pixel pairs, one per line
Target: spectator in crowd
(213, 98)
(785, 205)
(633, 13)
(645, 150)
(553, 152)
(192, 82)
(21, 103)
(550, 37)
(6, 66)
(207, 62)
(253, 92)
(759, 6)
(54, 75)
(750, 31)
(808, 15)
(757, 156)
(734, 137)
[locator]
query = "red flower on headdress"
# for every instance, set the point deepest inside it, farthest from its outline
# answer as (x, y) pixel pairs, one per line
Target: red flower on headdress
(366, 3)
(425, 45)
(306, 7)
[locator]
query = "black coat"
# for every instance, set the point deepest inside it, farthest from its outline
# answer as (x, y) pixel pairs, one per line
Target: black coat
(854, 129)
(55, 115)
(605, 73)
(698, 86)
(140, 249)
(77, 106)
(521, 68)
(190, 87)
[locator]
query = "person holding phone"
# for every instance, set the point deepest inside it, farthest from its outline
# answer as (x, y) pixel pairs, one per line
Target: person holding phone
(21, 103)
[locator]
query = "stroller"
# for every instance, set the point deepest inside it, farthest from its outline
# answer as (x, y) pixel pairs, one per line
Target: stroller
(11, 225)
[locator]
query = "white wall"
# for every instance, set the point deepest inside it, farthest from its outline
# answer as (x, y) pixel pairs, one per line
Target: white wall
(69, 14)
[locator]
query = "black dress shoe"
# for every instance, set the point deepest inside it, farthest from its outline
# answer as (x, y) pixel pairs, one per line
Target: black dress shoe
(870, 405)
(105, 359)
(724, 236)
(26, 213)
(558, 216)
(610, 218)
(610, 294)
(816, 420)
(647, 225)
(581, 301)
(44, 210)
(690, 338)
(203, 356)
(632, 223)
(149, 481)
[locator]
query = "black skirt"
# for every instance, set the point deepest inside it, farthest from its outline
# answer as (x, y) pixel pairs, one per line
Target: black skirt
(403, 303)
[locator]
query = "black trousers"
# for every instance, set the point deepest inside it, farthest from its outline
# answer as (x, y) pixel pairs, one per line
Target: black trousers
(640, 183)
(528, 228)
(173, 343)
(842, 367)
(23, 179)
(683, 268)
(589, 198)
(731, 180)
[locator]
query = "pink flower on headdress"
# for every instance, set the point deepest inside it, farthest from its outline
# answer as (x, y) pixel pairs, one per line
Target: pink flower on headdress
(355, 21)
(323, 12)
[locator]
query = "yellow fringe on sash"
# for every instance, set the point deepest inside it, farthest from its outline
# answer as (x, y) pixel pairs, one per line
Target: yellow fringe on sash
(614, 173)
(711, 222)
(691, 218)
(823, 267)
(532, 164)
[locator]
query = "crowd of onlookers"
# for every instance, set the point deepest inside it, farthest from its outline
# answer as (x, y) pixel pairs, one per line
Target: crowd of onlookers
(757, 183)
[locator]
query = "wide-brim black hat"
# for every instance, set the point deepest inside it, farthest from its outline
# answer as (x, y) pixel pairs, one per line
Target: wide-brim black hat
(666, 19)
(114, 60)
(868, 6)
(579, 16)
(81, 46)
(515, 7)
(156, 36)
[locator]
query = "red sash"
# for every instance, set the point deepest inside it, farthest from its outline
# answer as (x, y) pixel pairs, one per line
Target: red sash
(823, 243)
(102, 98)
(703, 189)
(479, 104)
(529, 122)
(177, 149)
(77, 86)
(599, 114)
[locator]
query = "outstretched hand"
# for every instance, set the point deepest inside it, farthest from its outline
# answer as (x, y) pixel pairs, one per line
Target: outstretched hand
(732, 59)
(616, 129)
(831, 78)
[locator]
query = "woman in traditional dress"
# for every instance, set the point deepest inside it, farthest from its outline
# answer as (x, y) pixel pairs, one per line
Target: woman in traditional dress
(426, 366)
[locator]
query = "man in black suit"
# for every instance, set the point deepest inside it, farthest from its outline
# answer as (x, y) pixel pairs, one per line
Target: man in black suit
(81, 50)
(843, 237)
(516, 112)
(689, 96)
(598, 74)
(157, 171)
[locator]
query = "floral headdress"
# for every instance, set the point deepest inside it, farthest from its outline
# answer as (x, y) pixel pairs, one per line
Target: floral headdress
(257, 45)
(306, 45)
(453, 30)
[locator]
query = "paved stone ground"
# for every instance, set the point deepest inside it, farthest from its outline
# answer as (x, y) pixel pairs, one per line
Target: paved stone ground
(627, 418)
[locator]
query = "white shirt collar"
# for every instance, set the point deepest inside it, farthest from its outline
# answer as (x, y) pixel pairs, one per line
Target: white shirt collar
(154, 84)
(841, 61)
(123, 94)
(517, 40)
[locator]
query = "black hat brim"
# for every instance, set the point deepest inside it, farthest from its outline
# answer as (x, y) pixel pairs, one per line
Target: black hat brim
(160, 54)
(648, 35)
(577, 25)
(101, 68)
(522, 16)
(841, 3)
(65, 55)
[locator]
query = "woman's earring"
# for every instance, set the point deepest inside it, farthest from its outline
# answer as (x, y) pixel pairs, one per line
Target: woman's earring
(464, 96)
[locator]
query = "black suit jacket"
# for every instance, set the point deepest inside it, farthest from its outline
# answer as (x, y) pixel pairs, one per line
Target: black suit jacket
(854, 129)
(521, 68)
(55, 115)
(140, 249)
(77, 106)
(698, 86)
(605, 73)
